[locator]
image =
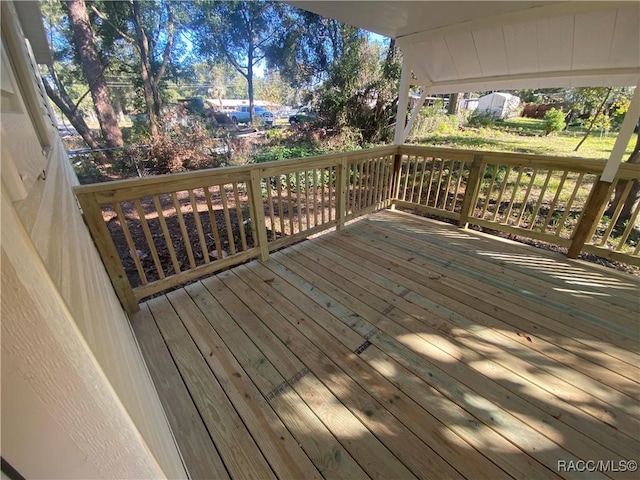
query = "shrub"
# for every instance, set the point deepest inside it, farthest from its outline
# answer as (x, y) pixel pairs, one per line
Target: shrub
(553, 121)
(481, 119)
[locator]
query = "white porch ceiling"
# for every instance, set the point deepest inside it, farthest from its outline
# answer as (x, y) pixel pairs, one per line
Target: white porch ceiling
(459, 46)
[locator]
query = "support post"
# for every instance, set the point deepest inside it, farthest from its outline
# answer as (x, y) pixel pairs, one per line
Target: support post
(592, 213)
(342, 192)
(602, 190)
(403, 99)
(257, 214)
(395, 179)
(470, 192)
(415, 112)
(622, 140)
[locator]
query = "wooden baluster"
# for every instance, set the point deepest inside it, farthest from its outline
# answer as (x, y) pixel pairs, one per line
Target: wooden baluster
(240, 217)
(283, 231)
(167, 236)
(461, 171)
(183, 230)
(616, 213)
(227, 219)
(298, 201)
(332, 188)
(534, 216)
(306, 197)
(431, 172)
(147, 235)
(630, 225)
(415, 177)
(440, 175)
(552, 207)
(315, 197)
(290, 204)
(501, 193)
(341, 192)
(272, 217)
(132, 247)
(360, 184)
(516, 189)
(323, 201)
(525, 200)
(569, 204)
(196, 219)
(214, 223)
(448, 184)
(406, 177)
(489, 191)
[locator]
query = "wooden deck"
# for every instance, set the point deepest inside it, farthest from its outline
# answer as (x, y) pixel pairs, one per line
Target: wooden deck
(399, 348)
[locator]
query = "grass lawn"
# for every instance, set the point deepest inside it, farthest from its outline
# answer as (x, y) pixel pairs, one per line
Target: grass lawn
(524, 135)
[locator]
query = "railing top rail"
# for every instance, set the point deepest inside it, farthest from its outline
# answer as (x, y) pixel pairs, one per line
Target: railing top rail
(219, 175)
(506, 157)
(121, 190)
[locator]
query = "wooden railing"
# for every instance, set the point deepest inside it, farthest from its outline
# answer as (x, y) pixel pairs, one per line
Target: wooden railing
(610, 236)
(159, 232)
(533, 196)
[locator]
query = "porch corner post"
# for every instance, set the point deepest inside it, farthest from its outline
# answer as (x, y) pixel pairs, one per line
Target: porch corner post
(592, 212)
(256, 207)
(601, 192)
(92, 214)
(403, 98)
(395, 177)
(470, 192)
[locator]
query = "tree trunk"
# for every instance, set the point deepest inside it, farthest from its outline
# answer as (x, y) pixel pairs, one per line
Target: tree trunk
(92, 67)
(454, 103)
(634, 194)
(595, 117)
(252, 110)
(62, 100)
(150, 83)
(145, 72)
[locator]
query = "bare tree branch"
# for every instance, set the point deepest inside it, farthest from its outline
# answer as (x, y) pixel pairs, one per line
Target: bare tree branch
(105, 18)
(167, 49)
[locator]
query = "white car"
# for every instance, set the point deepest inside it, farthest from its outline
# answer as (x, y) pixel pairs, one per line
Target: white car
(242, 115)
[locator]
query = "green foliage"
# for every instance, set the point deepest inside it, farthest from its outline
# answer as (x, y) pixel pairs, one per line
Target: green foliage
(553, 121)
(282, 152)
(432, 119)
(485, 120)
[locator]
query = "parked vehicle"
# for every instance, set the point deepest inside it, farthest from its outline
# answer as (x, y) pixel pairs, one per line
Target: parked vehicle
(303, 115)
(241, 115)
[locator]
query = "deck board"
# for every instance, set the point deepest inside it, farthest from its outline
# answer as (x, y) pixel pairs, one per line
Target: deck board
(401, 347)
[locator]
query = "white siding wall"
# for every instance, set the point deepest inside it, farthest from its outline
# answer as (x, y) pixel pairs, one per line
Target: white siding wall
(74, 383)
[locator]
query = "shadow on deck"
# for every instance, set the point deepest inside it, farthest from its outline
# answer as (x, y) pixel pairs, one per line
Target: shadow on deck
(401, 347)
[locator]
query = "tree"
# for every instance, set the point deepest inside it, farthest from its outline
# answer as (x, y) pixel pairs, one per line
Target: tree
(239, 32)
(354, 81)
(94, 72)
(553, 121)
(58, 94)
(142, 24)
(589, 97)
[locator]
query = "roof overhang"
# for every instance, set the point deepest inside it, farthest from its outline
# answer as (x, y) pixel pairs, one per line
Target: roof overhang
(459, 46)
